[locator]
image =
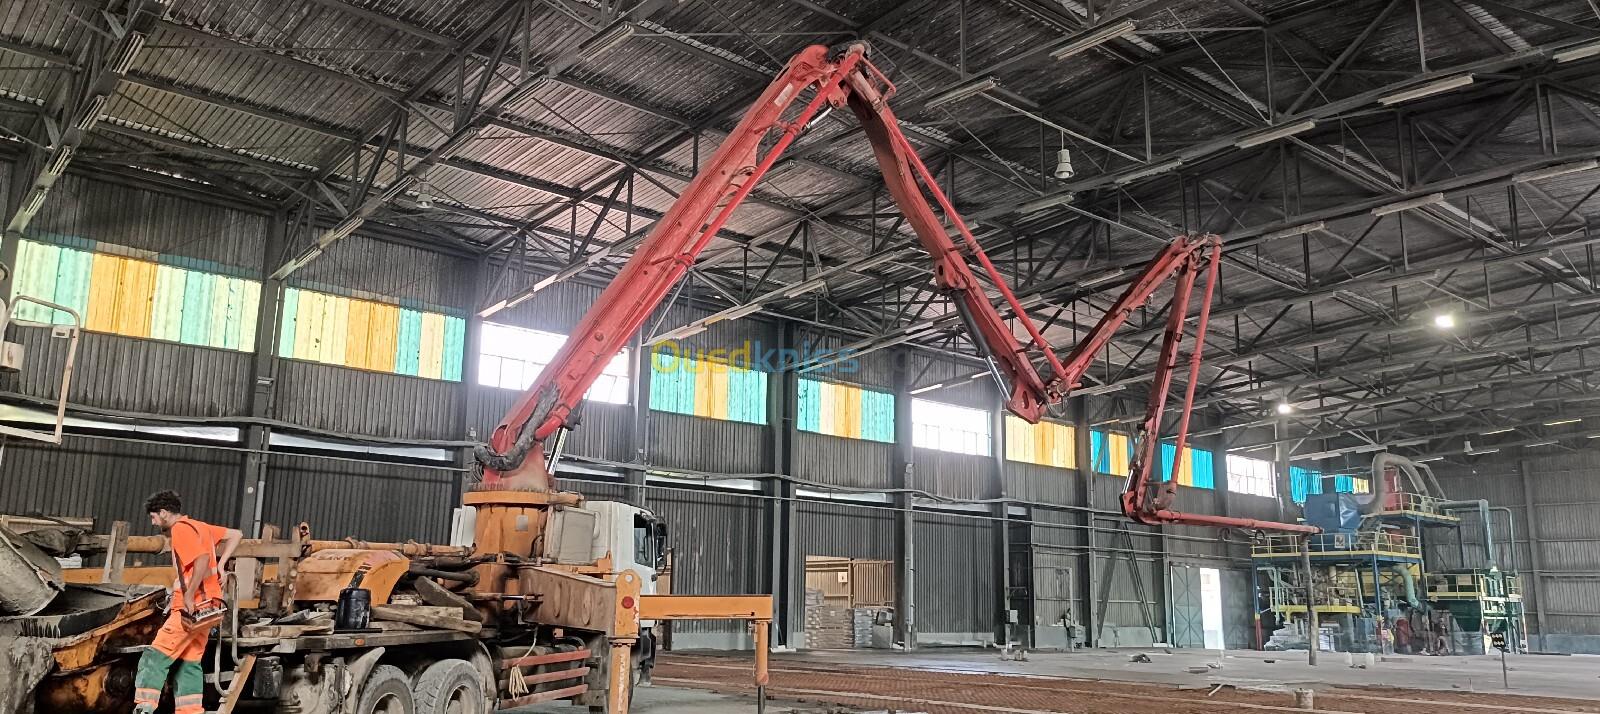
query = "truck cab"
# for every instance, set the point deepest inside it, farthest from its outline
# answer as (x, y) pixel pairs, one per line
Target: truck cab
(635, 539)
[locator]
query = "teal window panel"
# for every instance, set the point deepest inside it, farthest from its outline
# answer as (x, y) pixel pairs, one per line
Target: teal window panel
(1097, 452)
(38, 266)
(198, 294)
(747, 396)
(877, 416)
(286, 331)
(810, 405)
(665, 383)
(408, 348)
(1169, 452)
(1303, 482)
(752, 396)
(72, 282)
(233, 312)
(455, 337)
(166, 309)
(1205, 468)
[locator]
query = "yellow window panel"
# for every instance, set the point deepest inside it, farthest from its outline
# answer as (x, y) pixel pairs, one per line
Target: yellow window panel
(719, 389)
(431, 363)
(358, 333)
(382, 337)
(308, 327)
(702, 386)
(1066, 447)
(105, 280)
(850, 409)
(827, 418)
(333, 330)
(1119, 447)
(134, 298)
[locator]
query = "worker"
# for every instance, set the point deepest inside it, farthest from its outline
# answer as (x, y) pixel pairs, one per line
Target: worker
(1402, 634)
(200, 551)
(1384, 642)
(1439, 622)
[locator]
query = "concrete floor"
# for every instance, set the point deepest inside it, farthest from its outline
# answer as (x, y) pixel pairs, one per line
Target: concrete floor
(1576, 676)
(672, 700)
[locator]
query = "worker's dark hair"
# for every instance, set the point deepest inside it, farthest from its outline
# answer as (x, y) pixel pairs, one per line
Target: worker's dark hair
(164, 501)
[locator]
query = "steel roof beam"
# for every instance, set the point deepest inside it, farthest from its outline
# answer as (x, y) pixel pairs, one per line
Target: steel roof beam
(75, 109)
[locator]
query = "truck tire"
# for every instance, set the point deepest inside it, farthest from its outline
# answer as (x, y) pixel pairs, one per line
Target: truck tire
(450, 686)
(386, 691)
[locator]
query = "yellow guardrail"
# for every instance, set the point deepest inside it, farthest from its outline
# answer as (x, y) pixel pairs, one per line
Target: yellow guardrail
(1279, 546)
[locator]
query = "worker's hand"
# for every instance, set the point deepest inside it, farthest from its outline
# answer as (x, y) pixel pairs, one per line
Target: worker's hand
(188, 602)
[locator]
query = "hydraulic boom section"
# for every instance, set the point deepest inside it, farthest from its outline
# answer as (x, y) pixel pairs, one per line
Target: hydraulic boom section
(516, 454)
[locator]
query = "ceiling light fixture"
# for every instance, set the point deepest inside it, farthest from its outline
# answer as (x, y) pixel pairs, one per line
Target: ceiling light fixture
(924, 390)
(1427, 459)
(961, 91)
(1276, 133)
(1481, 452)
(1064, 168)
(1559, 422)
(1094, 38)
(1496, 431)
(1584, 51)
(1399, 206)
(1444, 321)
(1437, 86)
(1285, 408)
(1554, 171)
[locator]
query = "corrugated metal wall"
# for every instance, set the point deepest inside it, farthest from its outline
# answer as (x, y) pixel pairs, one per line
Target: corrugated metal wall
(955, 569)
(953, 475)
(678, 441)
(108, 480)
(1043, 484)
(603, 434)
(111, 212)
(1558, 529)
(840, 461)
(126, 373)
(356, 401)
(398, 271)
(371, 501)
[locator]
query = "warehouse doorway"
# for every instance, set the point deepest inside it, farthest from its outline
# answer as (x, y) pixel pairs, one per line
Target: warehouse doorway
(1196, 609)
(849, 603)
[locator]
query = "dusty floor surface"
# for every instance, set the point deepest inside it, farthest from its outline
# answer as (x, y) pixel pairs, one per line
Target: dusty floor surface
(1105, 681)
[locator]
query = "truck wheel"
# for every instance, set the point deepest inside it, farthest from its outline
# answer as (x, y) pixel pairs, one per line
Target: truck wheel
(449, 686)
(386, 691)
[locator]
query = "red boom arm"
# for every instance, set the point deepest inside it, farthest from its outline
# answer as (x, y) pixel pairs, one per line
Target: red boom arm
(738, 165)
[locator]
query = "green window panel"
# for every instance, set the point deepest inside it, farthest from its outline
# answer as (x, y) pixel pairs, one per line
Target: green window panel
(408, 348)
(455, 338)
(286, 330)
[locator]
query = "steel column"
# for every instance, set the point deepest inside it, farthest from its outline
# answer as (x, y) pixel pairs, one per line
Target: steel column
(1535, 557)
(901, 479)
(785, 575)
(263, 381)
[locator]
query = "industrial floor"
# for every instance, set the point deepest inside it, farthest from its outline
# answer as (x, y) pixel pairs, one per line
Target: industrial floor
(1107, 682)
